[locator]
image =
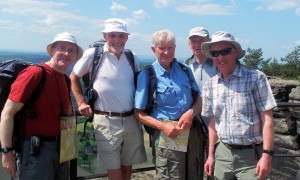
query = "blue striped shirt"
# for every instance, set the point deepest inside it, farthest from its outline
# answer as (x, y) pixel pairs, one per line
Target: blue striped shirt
(237, 103)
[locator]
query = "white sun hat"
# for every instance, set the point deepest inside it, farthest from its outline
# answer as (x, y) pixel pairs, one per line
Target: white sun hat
(115, 25)
(66, 37)
(222, 36)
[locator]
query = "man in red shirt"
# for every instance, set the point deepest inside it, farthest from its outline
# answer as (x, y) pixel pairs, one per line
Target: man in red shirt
(52, 102)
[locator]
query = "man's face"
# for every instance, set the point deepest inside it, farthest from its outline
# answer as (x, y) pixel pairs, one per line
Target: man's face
(226, 63)
(165, 52)
(63, 54)
(115, 42)
(195, 44)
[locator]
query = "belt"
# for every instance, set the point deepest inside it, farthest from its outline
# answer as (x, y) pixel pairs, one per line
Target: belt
(237, 146)
(123, 114)
(44, 138)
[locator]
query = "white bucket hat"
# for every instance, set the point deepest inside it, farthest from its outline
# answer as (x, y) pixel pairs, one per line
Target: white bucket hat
(115, 25)
(67, 37)
(222, 36)
(198, 31)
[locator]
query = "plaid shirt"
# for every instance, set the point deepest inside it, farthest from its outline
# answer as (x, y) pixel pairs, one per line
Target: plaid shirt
(237, 103)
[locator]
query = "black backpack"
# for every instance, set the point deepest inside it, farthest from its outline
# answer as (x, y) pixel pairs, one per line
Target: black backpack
(9, 70)
(151, 103)
(88, 79)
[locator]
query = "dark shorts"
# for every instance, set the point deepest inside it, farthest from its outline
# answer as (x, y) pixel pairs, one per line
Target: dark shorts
(44, 165)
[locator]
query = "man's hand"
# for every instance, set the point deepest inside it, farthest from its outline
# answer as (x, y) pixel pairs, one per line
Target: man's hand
(209, 166)
(85, 110)
(9, 163)
(186, 120)
(264, 166)
(171, 130)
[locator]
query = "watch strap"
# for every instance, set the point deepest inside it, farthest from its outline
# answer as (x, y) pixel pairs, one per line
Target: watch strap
(270, 152)
(6, 149)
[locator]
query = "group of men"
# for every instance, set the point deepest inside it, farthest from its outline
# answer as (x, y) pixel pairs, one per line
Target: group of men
(211, 88)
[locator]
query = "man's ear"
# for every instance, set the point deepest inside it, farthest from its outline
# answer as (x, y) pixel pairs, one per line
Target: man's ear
(104, 36)
(153, 49)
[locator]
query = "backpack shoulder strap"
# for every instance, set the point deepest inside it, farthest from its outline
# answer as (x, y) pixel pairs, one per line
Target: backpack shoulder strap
(152, 88)
(130, 58)
(184, 68)
(38, 89)
(96, 63)
(27, 110)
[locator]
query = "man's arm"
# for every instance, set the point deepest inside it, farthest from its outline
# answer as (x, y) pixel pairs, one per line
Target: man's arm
(264, 165)
(83, 107)
(213, 137)
(6, 132)
(170, 130)
(186, 120)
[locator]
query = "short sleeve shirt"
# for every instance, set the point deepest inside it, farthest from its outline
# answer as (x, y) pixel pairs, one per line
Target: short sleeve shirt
(173, 96)
(114, 80)
(237, 103)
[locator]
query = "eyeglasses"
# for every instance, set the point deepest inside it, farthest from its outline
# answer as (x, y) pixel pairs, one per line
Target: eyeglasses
(223, 52)
(63, 49)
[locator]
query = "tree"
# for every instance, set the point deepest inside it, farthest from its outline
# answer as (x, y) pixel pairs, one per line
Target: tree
(254, 58)
(291, 70)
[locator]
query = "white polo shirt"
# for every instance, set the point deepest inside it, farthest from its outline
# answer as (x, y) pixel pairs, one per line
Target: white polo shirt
(114, 80)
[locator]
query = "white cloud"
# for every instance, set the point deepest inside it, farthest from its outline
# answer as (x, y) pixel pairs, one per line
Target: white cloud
(115, 7)
(278, 5)
(140, 14)
(297, 11)
(258, 8)
(45, 17)
(213, 9)
(161, 3)
(297, 42)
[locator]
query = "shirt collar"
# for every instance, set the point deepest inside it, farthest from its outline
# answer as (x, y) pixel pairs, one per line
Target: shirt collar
(159, 69)
(237, 71)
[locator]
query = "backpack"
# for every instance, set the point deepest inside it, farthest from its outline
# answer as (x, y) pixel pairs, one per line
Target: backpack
(151, 103)
(88, 79)
(9, 70)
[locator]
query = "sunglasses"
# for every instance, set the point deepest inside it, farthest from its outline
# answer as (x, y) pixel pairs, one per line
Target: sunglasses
(223, 52)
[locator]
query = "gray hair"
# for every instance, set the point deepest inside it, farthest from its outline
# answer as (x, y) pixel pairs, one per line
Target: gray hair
(163, 35)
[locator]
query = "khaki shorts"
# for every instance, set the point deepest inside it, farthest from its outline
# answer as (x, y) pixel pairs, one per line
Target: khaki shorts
(235, 163)
(119, 141)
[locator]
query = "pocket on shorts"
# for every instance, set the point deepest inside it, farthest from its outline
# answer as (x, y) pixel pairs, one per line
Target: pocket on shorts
(160, 161)
(102, 128)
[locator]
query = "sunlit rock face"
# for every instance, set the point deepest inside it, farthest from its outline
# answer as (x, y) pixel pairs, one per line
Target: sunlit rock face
(287, 129)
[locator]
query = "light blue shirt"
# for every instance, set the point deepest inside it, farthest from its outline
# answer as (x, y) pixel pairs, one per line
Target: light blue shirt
(174, 95)
(237, 103)
(202, 73)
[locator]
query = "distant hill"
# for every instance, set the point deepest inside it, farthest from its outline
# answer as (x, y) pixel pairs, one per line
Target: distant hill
(34, 57)
(37, 57)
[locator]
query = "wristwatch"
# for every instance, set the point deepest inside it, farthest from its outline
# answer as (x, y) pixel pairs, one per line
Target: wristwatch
(193, 111)
(6, 149)
(270, 152)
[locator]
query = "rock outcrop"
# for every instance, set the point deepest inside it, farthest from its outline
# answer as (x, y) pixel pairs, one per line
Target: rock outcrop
(286, 163)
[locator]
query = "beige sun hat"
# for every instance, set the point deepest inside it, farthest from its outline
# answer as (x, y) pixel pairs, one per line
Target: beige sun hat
(222, 36)
(198, 31)
(115, 25)
(67, 37)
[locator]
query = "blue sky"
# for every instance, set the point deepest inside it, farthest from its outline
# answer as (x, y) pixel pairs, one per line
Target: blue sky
(272, 25)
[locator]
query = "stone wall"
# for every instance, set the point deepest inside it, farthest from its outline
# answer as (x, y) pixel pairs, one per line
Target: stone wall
(287, 129)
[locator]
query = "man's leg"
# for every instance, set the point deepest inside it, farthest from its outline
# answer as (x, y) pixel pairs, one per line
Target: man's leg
(123, 173)
(195, 154)
(126, 172)
(115, 174)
